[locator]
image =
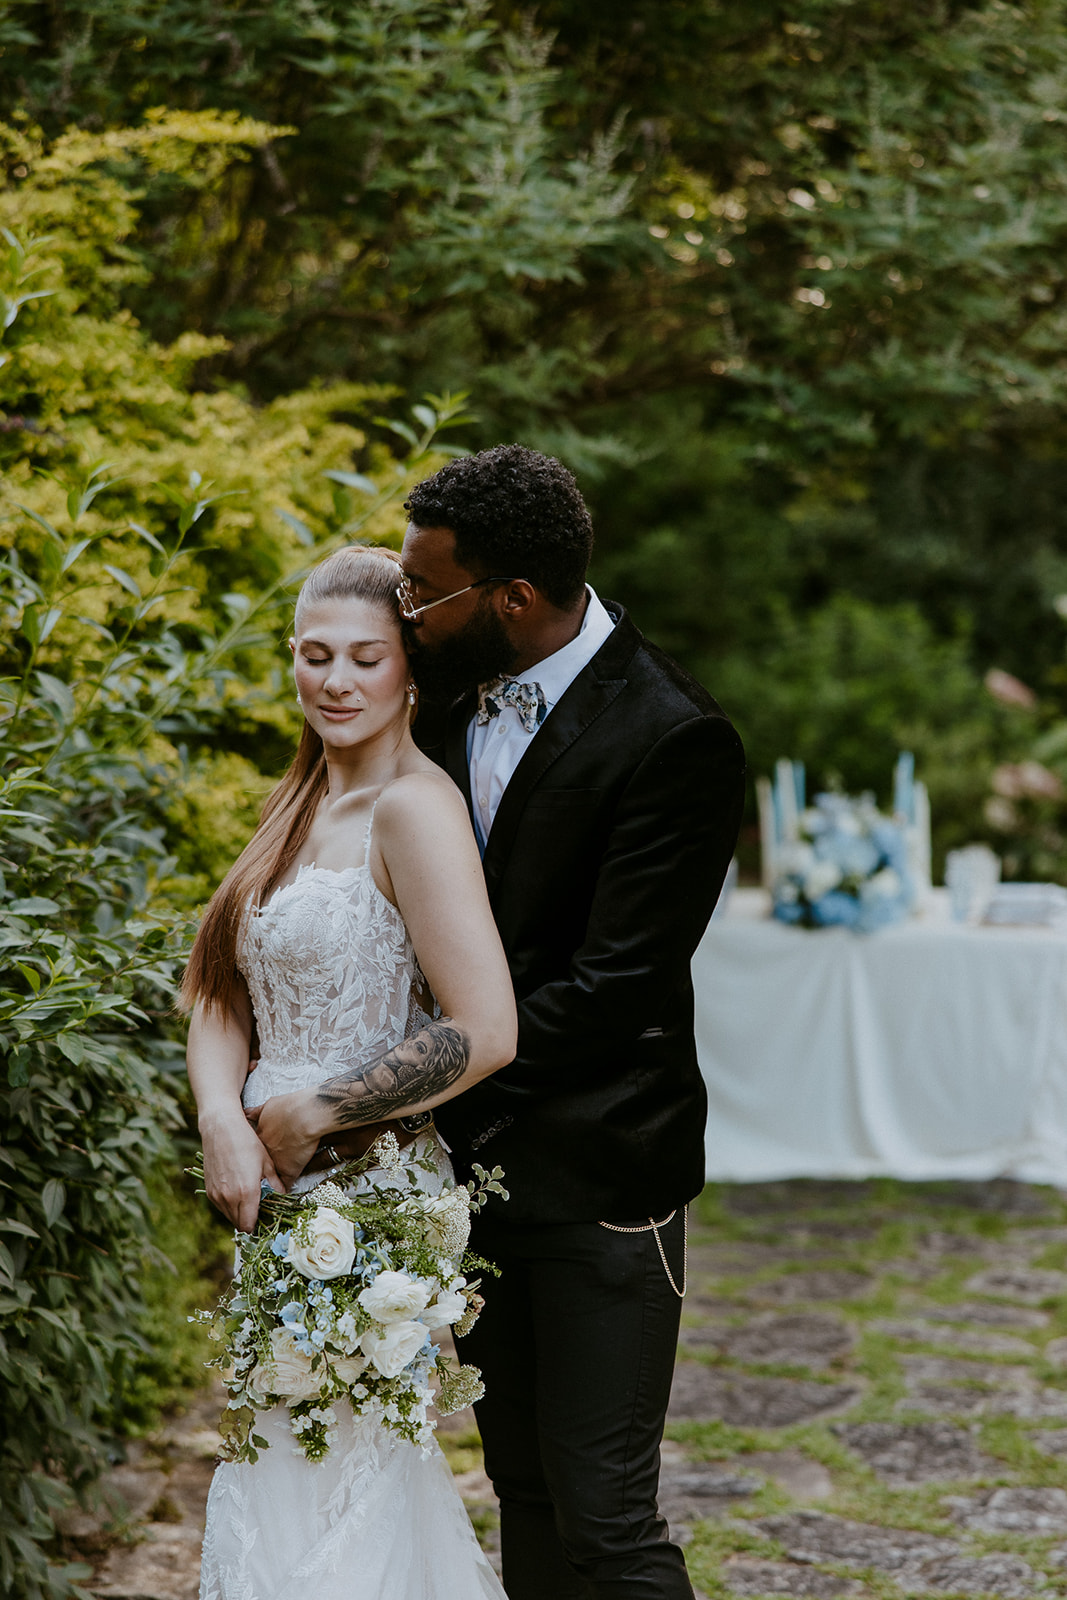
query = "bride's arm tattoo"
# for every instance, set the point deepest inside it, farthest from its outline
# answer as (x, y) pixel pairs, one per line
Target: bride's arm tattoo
(411, 1071)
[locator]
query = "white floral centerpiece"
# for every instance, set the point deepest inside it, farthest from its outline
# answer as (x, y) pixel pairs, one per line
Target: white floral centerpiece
(842, 862)
(336, 1296)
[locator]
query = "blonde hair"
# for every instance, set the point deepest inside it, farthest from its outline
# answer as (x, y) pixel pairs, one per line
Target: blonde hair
(357, 572)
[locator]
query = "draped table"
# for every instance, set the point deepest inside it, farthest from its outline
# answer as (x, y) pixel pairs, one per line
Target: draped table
(927, 1050)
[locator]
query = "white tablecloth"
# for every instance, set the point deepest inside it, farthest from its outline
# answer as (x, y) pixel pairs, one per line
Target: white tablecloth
(924, 1051)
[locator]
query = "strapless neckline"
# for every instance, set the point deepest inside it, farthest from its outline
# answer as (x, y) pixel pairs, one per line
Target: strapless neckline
(333, 872)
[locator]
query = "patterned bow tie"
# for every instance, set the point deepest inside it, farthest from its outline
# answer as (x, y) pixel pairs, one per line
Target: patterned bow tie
(528, 700)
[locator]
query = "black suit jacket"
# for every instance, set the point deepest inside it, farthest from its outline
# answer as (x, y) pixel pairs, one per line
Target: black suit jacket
(603, 863)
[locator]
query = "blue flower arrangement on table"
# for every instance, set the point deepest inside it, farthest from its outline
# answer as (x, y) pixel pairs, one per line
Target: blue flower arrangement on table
(842, 862)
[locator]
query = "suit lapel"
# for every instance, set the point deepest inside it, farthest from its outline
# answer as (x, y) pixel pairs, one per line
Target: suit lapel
(592, 691)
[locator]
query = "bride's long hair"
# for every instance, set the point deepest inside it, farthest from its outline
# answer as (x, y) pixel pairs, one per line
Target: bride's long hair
(355, 573)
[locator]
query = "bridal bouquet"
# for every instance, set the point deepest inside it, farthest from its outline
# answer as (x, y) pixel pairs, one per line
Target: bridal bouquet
(846, 866)
(337, 1296)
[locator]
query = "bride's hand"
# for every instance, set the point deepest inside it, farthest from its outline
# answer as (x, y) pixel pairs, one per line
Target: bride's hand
(235, 1164)
(285, 1128)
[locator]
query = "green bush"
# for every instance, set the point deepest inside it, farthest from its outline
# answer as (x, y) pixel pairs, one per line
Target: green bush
(186, 1269)
(86, 1112)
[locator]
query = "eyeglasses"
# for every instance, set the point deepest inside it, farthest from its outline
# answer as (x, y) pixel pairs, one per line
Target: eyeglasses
(411, 612)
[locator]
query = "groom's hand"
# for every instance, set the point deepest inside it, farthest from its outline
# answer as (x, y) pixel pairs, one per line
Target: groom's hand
(354, 1143)
(285, 1126)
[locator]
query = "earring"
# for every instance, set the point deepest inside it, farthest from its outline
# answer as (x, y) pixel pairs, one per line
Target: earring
(411, 694)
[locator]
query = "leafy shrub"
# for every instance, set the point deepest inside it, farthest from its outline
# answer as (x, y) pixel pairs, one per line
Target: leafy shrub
(86, 1110)
(185, 1270)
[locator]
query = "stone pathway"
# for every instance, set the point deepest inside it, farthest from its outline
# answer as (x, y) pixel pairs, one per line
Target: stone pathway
(870, 1401)
(907, 1344)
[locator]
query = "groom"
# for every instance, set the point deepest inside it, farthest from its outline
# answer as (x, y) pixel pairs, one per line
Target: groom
(605, 788)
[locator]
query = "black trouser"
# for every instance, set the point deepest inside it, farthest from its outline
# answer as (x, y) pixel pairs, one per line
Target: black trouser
(576, 1345)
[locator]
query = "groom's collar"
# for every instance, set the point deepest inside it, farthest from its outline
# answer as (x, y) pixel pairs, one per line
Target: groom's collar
(612, 658)
(592, 691)
(556, 672)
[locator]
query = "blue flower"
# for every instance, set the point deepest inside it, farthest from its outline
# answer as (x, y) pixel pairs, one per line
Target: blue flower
(856, 856)
(318, 1338)
(786, 912)
(836, 910)
(280, 1246)
(292, 1315)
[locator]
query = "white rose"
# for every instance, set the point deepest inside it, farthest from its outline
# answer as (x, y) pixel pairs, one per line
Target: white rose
(330, 1248)
(287, 1371)
(392, 1350)
(446, 1309)
(348, 1368)
(393, 1297)
(820, 879)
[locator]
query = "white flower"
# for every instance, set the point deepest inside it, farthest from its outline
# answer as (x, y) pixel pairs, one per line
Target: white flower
(820, 879)
(348, 1368)
(796, 858)
(446, 1309)
(393, 1297)
(885, 884)
(392, 1350)
(324, 1245)
(287, 1371)
(459, 1389)
(449, 1217)
(346, 1332)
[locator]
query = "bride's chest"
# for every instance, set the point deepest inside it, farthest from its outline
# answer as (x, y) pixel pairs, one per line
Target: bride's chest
(325, 927)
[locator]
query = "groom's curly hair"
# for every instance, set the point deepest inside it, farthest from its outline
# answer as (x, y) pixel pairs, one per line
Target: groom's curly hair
(515, 514)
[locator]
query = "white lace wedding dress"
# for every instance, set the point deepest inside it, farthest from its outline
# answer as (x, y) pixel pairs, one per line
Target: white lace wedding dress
(334, 983)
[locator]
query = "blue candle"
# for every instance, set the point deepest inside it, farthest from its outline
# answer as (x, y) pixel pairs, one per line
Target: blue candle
(904, 786)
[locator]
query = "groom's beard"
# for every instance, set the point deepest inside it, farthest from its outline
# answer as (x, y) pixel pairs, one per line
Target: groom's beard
(478, 652)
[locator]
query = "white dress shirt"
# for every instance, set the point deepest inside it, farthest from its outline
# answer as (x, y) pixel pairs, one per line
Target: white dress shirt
(494, 749)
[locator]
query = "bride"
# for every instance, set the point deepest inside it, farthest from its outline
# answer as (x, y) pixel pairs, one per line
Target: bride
(364, 856)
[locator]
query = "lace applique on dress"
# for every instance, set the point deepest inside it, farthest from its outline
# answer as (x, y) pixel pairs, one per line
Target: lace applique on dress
(332, 976)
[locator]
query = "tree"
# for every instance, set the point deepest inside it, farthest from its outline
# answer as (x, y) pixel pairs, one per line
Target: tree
(402, 219)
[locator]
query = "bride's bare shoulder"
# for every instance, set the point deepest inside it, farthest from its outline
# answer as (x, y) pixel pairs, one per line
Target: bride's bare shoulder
(424, 797)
